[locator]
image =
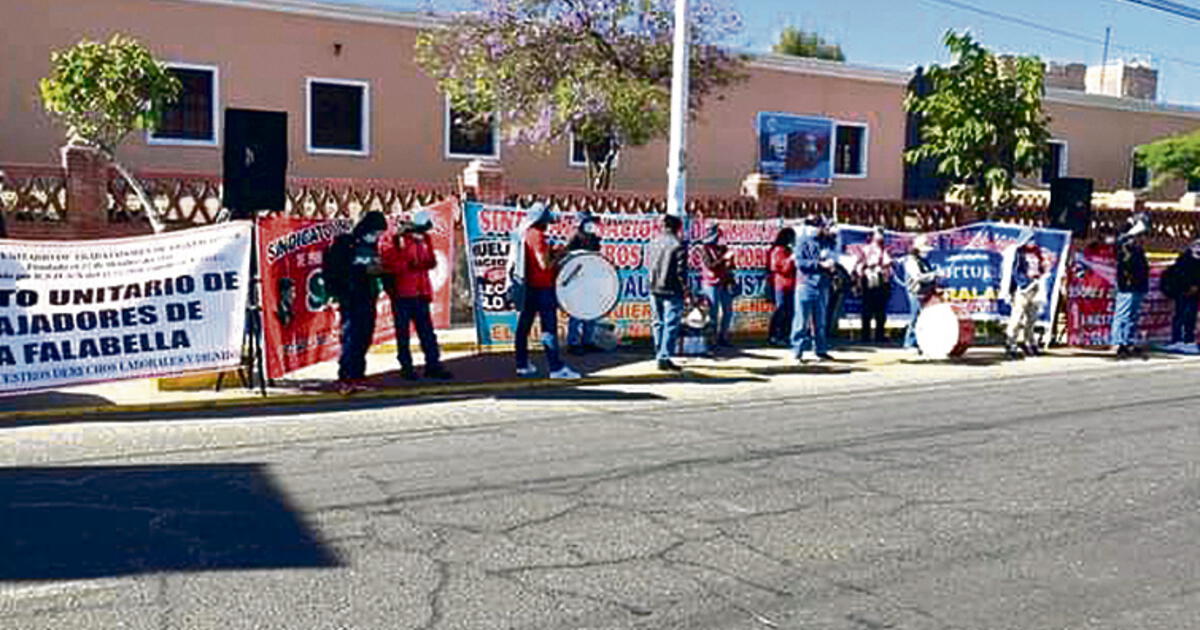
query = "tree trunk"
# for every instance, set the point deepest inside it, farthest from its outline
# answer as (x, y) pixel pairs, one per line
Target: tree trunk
(148, 206)
(601, 160)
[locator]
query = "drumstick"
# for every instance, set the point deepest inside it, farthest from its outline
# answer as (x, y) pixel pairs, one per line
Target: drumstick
(571, 276)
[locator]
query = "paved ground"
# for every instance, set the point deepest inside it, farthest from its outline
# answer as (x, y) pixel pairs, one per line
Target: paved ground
(1059, 493)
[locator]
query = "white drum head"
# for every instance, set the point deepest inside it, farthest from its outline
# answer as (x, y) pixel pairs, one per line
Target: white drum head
(588, 286)
(937, 330)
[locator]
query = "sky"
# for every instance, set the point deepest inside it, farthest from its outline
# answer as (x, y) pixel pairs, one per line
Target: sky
(901, 34)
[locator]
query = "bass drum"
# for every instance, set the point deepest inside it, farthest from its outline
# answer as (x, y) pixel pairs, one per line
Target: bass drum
(944, 331)
(588, 286)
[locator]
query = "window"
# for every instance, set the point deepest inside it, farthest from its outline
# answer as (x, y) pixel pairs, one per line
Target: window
(1139, 176)
(1055, 165)
(1193, 184)
(192, 118)
(339, 117)
(577, 158)
(469, 139)
(850, 150)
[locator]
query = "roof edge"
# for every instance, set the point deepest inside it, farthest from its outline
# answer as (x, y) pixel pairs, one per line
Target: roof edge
(334, 11)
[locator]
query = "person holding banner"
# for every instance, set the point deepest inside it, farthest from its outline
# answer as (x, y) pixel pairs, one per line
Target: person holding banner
(1181, 283)
(718, 281)
(587, 239)
(920, 279)
(1133, 282)
(667, 264)
(537, 263)
(409, 259)
(812, 293)
(350, 267)
(783, 281)
(874, 274)
(1027, 295)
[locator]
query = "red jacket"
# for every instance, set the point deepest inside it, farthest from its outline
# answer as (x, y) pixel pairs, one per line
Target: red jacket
(410, 260)
(783, 268)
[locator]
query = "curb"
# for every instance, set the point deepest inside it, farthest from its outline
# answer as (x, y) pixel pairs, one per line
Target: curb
(326, 398)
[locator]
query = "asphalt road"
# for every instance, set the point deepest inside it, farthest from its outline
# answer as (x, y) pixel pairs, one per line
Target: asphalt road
(1055, 501)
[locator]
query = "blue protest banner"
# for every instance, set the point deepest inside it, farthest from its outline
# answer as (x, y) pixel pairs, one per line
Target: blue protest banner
(795, 150)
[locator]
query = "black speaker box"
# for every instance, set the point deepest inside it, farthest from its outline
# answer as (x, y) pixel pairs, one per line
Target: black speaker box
(1071, 205)
(255, 161)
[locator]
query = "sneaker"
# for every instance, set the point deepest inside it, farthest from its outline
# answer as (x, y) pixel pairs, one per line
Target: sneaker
(1013, 354)
(408, 374)
(825, 356)
(800, 359)
(1123, 352)
(667, 365)
(1189, 348)
(438, 372)
(528, 371)
(566, 374)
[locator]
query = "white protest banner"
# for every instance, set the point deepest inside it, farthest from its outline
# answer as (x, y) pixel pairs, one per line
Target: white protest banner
(74, 312)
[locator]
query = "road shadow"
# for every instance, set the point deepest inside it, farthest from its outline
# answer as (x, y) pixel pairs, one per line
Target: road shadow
(51, 400)
(106, 521)
(581, 395)
(830, 368)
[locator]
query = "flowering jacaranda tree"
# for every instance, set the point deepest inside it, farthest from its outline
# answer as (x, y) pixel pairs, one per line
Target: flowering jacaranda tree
(600, 69)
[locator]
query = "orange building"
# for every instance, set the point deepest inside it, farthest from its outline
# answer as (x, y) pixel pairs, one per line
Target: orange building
(360, 107)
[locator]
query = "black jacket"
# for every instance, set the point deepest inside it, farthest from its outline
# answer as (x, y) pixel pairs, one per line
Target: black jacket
(1182, 275)
(1133, 270)
(582, 241)
(666, 259)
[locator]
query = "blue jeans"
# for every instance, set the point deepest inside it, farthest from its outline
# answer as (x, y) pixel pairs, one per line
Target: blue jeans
(543, 304)
(914, 310)
(579, 331)
(358, 328)
(808, 326)
(785, 312)
(414, 312)
(721, 300)
(668, 313)
(1126, 312)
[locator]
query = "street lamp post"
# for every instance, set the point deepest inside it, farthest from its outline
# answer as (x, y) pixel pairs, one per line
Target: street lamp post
(677, 162)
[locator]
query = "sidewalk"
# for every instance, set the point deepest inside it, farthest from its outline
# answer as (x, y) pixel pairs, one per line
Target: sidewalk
(492, 373)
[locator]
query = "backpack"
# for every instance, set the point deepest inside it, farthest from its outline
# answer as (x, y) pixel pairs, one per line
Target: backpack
(335, 266)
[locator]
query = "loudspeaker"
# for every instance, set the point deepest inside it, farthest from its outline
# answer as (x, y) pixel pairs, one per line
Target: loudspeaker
(255, 161)
(1071, 205)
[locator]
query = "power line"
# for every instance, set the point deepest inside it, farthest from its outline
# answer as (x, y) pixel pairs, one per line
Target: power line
(1166, 6)
(1012, 19)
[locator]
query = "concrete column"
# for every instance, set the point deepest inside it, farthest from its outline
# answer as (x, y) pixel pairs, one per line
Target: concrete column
(87, 192)
(765, 192)
(484, 181)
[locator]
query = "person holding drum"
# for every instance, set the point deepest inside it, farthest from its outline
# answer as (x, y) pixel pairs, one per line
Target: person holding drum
(539, 265)
(667, 262)
(409, 259)
(783, 281)
(717, 277)
(1027, 295)
(813, 271)
(921, 281)
(586, 239)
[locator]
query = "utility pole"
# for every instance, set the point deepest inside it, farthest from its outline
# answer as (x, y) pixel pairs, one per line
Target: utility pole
(677, 161)
(1104, 64)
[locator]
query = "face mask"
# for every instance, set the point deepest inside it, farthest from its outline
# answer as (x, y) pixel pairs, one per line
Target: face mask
(589, 228)
(371, 238)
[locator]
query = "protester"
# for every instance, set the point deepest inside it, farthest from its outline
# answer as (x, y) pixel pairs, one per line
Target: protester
(667, 258)
(874, 276)
(1181, 283)
(350, 268)
(812, 293)
(840, 282)
(920, 279)
(783, 285)
(1027, 296)
(717, 278)
(538, 267)
(408, 259)
(580, 331)
(1133, 282)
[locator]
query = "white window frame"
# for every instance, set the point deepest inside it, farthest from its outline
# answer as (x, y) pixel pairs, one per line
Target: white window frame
(866, 149)
(364, 124)
(216, 110)
(571, 163)
(1132, 165)
(495, 155)
(1063, 167)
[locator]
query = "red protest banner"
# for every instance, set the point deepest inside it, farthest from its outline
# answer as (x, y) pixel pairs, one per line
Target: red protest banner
(300, 323)
(1092, 290)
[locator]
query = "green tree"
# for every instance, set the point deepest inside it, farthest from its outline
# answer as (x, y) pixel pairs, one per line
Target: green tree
(598, 69)
(983, 121)
(1173, 157)
(103, 92)
(798, 43)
